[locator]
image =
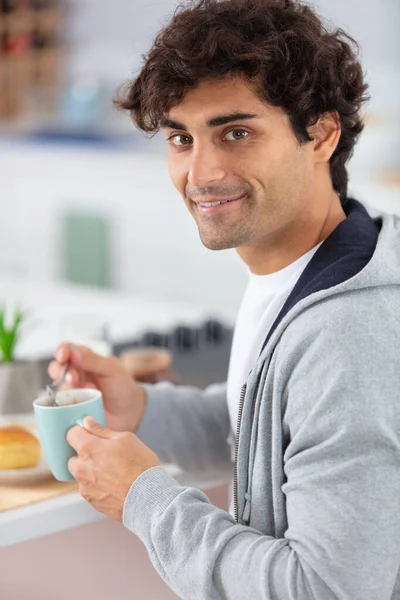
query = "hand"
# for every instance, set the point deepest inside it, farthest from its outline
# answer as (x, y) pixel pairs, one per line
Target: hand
(149, 365)
(124, 400)
(107, 464)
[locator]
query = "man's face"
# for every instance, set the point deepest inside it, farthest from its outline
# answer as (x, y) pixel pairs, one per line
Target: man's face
(237, 164)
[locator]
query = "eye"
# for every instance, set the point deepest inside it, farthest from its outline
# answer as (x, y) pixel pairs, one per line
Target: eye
(178, 139)
(235, 135)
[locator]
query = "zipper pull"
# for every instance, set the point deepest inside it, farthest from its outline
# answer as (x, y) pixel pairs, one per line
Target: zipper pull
(246, 509)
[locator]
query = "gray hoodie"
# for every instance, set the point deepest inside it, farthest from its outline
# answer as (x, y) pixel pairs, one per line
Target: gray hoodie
(318, 445)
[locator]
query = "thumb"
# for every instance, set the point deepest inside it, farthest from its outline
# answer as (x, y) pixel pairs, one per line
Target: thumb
(94, 427)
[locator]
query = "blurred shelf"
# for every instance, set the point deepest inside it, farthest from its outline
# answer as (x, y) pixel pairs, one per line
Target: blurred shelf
(32, 56)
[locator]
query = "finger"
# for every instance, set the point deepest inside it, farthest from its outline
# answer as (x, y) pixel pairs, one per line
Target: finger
(72, 378)
(80, 470)
(66, 352)
(73, 467)
(54, 370)
(63, 352)
(88, 361)
(93, 427)
(79, 439)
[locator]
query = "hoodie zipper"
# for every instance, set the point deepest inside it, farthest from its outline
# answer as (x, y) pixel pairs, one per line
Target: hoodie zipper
(235, 479)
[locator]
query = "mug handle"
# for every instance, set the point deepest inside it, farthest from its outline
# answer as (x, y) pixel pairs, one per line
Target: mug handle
(80, 421)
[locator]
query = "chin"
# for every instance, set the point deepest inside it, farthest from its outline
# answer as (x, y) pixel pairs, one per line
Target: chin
(217, 243)
(217, 246)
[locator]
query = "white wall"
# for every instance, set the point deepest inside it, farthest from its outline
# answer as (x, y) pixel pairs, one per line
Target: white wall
(156, 247)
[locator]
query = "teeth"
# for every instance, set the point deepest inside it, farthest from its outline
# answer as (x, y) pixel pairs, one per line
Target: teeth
(208, 204)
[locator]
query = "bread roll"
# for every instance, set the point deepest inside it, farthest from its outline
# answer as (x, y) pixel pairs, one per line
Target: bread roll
(19, 449)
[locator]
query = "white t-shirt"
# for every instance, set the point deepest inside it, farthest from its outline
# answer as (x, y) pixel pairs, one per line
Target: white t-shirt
(264, 297)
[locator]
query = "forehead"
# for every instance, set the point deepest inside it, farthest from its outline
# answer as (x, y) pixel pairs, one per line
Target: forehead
(220, 96)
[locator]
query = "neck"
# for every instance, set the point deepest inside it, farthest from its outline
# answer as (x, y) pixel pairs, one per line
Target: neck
(281, 248)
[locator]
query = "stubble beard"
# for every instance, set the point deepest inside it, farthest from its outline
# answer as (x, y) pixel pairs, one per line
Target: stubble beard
(216, 237)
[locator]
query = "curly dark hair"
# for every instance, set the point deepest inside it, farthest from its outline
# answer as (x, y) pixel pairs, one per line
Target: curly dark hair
(280, 46)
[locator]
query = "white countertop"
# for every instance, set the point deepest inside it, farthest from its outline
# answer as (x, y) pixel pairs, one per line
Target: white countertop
(70, 510)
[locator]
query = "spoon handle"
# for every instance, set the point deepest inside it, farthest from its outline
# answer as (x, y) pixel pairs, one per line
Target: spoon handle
(52, 388)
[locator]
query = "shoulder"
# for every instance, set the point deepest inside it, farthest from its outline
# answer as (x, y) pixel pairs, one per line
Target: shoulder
(344, 351)
(359, 316)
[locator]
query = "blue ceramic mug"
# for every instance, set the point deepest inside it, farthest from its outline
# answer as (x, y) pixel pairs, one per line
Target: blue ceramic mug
(54, 422)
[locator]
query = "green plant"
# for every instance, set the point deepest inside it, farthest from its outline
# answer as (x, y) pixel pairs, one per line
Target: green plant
(10, 329)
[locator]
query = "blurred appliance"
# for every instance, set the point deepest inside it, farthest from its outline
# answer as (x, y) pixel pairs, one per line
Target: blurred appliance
(200, 354)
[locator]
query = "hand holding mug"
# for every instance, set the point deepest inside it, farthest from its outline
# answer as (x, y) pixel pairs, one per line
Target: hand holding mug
(123, 398)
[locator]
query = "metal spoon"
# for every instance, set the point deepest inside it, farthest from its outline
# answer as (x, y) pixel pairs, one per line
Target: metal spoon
(52, 388)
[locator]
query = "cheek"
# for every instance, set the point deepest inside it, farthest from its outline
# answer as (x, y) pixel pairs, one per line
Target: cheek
(291, 171)
(177, 173)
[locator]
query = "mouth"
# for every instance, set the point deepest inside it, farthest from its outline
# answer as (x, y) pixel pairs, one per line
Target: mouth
(217, 204)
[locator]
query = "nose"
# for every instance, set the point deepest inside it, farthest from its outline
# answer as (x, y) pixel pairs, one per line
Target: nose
(205, 166)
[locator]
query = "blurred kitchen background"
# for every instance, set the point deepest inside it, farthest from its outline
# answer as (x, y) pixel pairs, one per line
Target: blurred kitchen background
(86, 200)
(98, 247)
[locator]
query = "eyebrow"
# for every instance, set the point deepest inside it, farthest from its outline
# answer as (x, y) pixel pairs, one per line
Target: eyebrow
(213, 122)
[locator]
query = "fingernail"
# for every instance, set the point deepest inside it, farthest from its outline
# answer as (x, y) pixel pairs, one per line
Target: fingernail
(68, 378)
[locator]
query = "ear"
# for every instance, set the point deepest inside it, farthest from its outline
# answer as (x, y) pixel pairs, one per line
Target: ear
(326, 135)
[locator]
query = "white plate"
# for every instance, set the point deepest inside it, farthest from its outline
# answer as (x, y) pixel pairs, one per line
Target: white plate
(23, 476)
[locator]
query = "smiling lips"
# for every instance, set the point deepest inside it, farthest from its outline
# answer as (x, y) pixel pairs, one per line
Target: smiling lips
(214, 204)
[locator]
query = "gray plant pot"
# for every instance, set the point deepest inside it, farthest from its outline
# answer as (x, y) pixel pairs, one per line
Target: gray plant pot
(20, 384)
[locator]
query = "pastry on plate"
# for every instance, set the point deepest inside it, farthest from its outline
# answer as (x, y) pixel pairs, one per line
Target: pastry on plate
(19, 449)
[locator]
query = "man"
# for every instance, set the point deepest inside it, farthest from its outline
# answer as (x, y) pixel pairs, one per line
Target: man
(260, 105)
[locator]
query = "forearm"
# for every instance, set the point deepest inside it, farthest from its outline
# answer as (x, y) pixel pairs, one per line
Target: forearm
(202, 553)
(186, 425)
